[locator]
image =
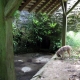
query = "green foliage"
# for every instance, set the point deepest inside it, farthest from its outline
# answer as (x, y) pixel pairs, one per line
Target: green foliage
(74, 22)
(73, 38)
(38, 31)
(17, 14)
(52, 25)
(43, 25)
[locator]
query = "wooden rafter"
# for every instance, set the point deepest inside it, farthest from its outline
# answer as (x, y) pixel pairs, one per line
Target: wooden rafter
(73, 7)
(52, 8)
(47, 2)
(38, 6)
(45, 9)
(33, 7)
(25, 4)
(56, 8)
(49, 9)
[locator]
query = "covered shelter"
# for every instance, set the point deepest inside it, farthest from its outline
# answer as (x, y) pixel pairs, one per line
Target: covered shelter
(7, 9)
(49, 7)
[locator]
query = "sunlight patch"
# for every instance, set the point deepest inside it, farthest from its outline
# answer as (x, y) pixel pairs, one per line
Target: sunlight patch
(20, 60)
(77, 67)
(26, 69)
(42, 59)
(71, 33)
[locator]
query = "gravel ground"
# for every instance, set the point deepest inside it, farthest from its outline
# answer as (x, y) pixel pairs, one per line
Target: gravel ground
(27, 65)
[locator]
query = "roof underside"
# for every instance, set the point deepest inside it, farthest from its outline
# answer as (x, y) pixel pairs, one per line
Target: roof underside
(48, 6)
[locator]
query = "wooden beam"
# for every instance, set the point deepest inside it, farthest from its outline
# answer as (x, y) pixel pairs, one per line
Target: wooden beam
(25, 4)
(3, 75)
(64, 28)
(11, 6)
(53, 8)
(63, 8)
(47, 2)
(73, 7)
(6, 46)
(56, 8)
(35, 5)
(7, 70)
(9, 51)
(45, 9)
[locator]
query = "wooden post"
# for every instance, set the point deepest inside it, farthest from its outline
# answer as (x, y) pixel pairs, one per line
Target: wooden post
(64, 29)
(6, 46)
(3, 69)
(7, 9)
(9, 50)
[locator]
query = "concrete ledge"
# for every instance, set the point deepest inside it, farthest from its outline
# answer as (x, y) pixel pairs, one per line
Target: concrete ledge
(58, 70)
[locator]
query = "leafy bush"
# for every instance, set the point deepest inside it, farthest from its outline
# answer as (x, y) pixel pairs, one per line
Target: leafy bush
(45, 28)
(40, 31)
(73, 21)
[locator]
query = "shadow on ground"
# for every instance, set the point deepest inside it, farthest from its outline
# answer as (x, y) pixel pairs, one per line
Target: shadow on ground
(27, 65)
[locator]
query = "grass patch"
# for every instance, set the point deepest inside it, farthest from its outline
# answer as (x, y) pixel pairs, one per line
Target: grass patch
(73, 39)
